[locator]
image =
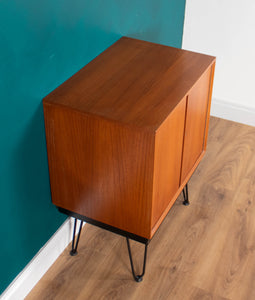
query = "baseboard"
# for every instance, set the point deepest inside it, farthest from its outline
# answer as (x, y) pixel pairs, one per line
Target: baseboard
(38, 266)
(233, 112)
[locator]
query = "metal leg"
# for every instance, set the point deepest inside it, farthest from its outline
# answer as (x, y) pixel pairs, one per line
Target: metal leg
(74, 252)
(138, 278)
(185, 195)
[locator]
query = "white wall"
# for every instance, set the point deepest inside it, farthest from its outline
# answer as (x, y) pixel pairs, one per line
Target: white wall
(226, 29)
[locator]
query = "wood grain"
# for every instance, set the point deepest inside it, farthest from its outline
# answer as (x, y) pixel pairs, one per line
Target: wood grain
(204, 251)
(115, 133)
(167, 161)
(196, 115)
(133, 82)
(209, 104)
(100, 169)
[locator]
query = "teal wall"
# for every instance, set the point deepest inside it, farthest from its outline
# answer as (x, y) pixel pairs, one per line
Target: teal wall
(42, 43)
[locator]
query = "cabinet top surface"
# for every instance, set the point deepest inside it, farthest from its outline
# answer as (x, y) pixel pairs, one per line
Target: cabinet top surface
(132, 82)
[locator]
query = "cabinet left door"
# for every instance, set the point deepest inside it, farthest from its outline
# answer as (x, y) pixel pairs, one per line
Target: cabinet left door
(167, 163)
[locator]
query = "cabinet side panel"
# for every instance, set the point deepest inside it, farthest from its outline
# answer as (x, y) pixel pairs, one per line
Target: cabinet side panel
(197, 105)
(100, 169)
(167, 165)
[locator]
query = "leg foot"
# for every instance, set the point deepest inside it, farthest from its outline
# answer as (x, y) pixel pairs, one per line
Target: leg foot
(74, 252)
(137, 278)
(185, 195)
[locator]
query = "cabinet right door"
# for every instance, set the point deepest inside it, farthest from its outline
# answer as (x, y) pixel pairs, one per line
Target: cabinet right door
(196, 115)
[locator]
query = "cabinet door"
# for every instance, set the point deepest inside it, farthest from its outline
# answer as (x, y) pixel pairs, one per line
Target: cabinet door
(167, 161)
(196, 115)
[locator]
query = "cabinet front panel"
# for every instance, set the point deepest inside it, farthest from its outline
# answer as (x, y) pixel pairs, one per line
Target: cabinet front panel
(196, 113)
(167, 162)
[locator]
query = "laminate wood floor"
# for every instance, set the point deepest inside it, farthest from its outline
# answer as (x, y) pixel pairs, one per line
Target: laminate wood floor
(203, 251)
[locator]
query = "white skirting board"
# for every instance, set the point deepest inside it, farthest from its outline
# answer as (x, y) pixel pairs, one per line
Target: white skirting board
(20, 287)
(233, 112)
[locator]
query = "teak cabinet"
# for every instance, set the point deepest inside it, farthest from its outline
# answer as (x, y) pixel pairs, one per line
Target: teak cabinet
(126, 132)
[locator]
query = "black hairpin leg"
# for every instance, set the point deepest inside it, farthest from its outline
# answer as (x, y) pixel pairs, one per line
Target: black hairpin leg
(137, 278)
(74, 252)
(185, 195)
